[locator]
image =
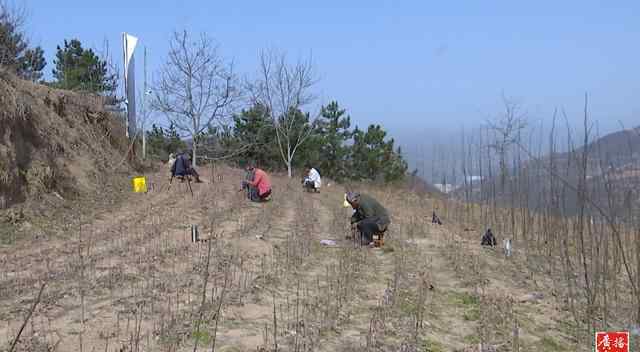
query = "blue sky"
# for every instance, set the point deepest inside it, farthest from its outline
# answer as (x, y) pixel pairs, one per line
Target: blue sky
(424, 69)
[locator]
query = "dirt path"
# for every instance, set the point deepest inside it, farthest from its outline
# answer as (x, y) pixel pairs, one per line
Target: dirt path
(274, 221)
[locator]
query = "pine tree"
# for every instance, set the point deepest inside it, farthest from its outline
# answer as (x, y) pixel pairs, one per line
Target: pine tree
(156, 143)
(357, 164)
(254, 132)
(374, 158)
(161, 142)
(174, 143)
(332, 133)
(81, 69)
(32, 64)
(395, 167)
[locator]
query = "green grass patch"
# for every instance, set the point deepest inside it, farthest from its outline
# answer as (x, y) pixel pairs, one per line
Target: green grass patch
(8, 234)
(468, 299)
(471, 339)
(407, 305)
(202, 337)
(472, 314)
(429, 345)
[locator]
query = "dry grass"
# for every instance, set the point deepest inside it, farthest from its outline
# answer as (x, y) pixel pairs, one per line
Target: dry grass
(131, 280)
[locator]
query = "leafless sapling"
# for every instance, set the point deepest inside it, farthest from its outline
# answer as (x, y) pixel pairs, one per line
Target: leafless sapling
(197, 88)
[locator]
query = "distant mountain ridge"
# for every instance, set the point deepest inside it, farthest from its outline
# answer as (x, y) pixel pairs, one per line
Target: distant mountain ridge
(613, 163)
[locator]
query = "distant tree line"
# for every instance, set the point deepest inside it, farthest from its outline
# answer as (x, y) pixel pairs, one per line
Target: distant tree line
(332, 147)
(200, 95)
(161, 142)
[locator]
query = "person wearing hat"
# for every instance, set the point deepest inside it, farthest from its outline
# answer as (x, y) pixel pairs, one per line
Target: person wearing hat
(369, 217)
(259, 186)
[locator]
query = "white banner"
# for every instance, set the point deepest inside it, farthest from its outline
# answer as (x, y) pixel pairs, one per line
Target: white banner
(129, 45)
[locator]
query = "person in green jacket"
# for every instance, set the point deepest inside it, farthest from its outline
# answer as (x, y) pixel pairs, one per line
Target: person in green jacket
(369, 217)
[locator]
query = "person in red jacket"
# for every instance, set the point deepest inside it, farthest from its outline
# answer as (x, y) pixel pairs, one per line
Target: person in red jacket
(259, 186)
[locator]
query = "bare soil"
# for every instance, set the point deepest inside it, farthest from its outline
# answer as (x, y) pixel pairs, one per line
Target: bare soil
(128, 278)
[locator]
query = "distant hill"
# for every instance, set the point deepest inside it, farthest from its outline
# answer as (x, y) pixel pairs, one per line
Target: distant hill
(616, 147)
(613, 164)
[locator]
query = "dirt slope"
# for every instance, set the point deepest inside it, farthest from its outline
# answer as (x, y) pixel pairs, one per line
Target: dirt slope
(58, 149)
(54, 141)
(129, 279)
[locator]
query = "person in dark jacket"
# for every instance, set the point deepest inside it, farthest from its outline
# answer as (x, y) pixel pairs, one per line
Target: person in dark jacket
(370, 217)
(182, 167)
(488, 239)
(435, 219)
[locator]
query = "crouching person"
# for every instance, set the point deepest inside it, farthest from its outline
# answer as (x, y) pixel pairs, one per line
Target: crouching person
(258, 187)
(488, 239)
(182, 167)
(435, 219)
(312, 181)
(369, 218)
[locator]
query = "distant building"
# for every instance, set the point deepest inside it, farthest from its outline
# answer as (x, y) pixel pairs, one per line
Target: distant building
(444, 188)
(474, 179)
(448, 188)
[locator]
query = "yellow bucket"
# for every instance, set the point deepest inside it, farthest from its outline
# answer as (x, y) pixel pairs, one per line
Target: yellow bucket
(139, 184)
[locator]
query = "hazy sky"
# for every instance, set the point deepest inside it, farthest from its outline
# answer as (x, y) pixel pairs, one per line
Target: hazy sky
(422, 68)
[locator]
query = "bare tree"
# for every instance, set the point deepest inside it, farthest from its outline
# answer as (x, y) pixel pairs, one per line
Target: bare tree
(507, 130)
(284, 88)
(196, 88)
